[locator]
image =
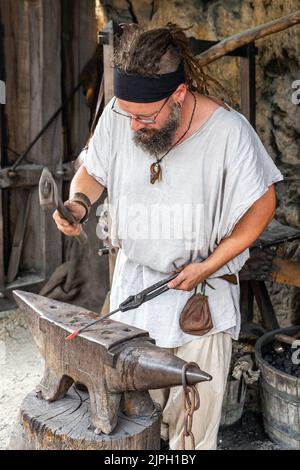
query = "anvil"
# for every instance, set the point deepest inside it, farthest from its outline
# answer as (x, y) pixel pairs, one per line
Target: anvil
(117, 363)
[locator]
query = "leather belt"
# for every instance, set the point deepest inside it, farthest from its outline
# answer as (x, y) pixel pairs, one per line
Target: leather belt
(232, 278)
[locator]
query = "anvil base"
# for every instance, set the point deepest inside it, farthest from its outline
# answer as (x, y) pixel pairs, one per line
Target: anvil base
(65, 425)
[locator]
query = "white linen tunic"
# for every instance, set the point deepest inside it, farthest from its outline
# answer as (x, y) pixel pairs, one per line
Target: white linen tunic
(208, 183)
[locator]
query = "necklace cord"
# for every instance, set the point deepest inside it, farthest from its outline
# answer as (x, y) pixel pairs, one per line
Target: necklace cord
(158, 160)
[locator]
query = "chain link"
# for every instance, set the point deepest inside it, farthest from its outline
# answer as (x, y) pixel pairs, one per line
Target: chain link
(191, 404)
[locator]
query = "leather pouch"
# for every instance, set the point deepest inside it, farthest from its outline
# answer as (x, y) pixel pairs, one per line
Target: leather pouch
(195, 318)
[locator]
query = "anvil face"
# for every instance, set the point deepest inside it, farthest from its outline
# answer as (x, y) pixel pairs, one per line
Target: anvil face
(107, 334)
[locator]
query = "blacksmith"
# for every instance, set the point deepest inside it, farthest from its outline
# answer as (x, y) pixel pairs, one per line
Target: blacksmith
(190, 188)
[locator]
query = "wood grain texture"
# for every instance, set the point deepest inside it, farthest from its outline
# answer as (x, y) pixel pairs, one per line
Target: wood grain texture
(65, 425)
(286, 272)
(19, 235)
(33, 75)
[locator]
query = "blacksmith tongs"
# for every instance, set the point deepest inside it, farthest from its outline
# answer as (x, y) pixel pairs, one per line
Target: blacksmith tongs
(132, 302)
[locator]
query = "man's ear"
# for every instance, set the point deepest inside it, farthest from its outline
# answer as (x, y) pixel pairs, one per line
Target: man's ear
(179, 94)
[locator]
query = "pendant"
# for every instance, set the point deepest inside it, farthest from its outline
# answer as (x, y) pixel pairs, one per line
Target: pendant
(155, 172)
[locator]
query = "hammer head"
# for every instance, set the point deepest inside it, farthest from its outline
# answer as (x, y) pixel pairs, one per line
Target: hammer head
(48, 193)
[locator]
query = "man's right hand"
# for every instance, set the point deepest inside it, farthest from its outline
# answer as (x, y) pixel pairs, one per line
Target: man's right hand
(63, 225)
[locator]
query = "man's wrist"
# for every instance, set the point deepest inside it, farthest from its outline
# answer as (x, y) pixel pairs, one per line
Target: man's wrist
(83, 200)
(221, 256)
(207, 267)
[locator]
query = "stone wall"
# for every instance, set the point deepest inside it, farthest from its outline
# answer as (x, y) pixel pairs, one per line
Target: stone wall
(278, 66)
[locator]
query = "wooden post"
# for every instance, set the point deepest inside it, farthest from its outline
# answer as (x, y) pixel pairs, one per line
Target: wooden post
(108, 50)
(33, 83)
(2, 276)
(247, 84)
(2, 77)
(45, 98)
(107, 39)
(79, 41)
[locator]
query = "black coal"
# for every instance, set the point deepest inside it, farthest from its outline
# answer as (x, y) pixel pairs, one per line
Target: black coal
(282, 361)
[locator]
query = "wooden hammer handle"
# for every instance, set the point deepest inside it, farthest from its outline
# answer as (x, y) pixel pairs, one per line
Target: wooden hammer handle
(67, 214)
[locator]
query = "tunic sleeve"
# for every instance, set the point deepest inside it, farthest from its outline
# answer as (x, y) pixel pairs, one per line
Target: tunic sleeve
(97, 157)
(248, 174)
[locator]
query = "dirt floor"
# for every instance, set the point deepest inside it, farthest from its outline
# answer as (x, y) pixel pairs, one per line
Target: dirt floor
(21, 368)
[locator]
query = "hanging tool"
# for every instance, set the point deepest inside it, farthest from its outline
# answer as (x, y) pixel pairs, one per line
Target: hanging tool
(132, 302)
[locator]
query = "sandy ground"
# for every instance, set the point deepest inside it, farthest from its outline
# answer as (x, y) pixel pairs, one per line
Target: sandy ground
(21, 368)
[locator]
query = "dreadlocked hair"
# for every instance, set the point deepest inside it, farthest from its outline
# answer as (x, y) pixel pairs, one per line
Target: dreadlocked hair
(153, 52)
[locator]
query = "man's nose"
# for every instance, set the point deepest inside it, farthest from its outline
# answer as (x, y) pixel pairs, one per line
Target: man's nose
(136, 125)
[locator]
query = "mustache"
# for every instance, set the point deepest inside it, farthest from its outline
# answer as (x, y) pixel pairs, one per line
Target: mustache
(145, 131)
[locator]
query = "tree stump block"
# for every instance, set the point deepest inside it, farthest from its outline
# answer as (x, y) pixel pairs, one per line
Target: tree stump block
(65, 425)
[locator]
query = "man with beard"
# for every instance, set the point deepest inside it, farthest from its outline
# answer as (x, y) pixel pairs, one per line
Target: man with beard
(190, 187)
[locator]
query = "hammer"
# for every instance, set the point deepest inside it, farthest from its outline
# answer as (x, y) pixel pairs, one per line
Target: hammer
(49, 198)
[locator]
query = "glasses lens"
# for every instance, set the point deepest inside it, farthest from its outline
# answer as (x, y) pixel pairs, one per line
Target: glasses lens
(145, 121)
(141, 120)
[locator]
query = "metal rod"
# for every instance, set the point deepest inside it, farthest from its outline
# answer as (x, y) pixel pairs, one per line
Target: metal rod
(80, 330)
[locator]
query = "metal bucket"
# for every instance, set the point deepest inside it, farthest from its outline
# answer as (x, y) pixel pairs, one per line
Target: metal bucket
(280, 396)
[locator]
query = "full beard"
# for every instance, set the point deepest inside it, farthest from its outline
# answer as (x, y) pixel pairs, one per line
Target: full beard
(158, 141)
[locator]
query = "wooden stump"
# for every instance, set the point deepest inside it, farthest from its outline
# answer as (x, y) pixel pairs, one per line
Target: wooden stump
(65, 425)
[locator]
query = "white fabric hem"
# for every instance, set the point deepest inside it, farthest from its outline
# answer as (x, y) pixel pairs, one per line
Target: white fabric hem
(97, 178)
(249, 204)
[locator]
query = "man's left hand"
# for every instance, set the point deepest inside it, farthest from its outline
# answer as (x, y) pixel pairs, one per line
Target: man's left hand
(189, 277)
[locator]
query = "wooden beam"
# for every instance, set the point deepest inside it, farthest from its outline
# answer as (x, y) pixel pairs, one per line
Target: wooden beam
(245, 37)
(29, 175)
(286, 272)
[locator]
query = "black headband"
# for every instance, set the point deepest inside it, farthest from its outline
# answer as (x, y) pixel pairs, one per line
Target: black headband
(138, 89)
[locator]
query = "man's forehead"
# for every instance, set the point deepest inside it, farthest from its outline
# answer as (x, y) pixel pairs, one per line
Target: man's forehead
(139, 108)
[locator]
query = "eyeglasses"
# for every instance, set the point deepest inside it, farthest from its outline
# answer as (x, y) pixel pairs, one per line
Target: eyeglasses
(137, 118)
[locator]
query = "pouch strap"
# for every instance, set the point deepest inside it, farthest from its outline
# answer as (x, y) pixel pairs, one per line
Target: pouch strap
(232, 278)
(203, 286)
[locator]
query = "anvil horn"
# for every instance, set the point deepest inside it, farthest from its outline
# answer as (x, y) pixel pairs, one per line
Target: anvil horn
(111, 359)
(154, 368)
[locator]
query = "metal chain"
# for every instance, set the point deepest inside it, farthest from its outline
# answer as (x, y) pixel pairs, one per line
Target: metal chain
(191, 404)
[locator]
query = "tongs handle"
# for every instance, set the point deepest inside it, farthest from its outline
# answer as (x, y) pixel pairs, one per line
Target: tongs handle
(157, 285)
(134, 301)
(156, 293)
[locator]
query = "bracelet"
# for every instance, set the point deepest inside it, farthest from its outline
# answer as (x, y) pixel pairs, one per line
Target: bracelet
(83, 198)
(83, 201)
